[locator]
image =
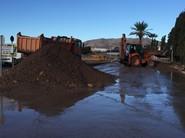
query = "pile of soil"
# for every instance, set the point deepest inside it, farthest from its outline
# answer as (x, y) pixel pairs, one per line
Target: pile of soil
(52, 70)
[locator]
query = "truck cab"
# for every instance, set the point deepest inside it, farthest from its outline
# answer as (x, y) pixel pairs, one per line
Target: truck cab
(10, 54)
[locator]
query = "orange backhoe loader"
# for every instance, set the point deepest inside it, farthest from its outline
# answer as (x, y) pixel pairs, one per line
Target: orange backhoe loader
(134, 54)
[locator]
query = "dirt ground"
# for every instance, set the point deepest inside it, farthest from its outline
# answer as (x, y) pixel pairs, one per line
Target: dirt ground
(171, 67)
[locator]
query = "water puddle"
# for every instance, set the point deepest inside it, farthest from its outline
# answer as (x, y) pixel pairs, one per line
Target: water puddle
(143, 102)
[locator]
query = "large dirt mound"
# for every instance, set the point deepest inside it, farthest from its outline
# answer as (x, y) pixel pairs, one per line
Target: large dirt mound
(51, 79)
(54, 66)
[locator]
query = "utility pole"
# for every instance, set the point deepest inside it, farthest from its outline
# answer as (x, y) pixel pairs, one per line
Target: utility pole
(1, 44)
(171, 54)
(1, 111)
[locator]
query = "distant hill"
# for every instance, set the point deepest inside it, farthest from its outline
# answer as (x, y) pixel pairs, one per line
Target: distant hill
(113, 42)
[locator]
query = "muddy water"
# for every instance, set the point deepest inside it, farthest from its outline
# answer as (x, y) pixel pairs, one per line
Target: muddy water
(144, 102)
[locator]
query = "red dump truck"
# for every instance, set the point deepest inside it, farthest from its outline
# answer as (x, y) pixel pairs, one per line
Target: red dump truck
(28, 45)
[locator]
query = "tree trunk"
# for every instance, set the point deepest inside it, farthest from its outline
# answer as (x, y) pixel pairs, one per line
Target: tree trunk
(152, 43)
(140, 41)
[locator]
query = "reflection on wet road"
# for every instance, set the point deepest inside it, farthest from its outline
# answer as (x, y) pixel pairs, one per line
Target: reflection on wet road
(144, 102)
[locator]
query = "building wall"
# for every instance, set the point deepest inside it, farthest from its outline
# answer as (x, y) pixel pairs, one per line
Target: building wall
(2, 40)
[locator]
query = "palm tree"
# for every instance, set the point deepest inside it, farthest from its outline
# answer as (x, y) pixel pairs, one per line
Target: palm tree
(153, 36)
(140, 30)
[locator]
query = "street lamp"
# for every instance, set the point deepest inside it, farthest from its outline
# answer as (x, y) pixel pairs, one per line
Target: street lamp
(12, 39)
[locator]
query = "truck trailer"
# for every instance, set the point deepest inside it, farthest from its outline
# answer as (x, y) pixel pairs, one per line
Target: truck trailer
(28, 45)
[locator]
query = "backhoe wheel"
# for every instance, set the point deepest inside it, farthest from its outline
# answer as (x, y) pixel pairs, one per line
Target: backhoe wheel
(151, 63)
(144, 63)
(135, 61)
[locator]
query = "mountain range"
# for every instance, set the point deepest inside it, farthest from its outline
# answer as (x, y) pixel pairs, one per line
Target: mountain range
(112, 42)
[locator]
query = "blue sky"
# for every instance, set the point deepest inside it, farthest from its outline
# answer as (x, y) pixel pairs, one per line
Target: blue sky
(86, 19)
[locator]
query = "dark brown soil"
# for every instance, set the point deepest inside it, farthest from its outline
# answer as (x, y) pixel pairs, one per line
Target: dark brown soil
(49, 75)
(165, 67)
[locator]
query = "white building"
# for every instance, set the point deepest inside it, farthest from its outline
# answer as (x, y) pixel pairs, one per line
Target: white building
(99, 49)
(2, 40)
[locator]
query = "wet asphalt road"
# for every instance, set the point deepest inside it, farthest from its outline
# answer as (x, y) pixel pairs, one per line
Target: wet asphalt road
(143, 103)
